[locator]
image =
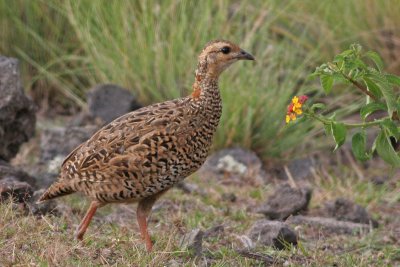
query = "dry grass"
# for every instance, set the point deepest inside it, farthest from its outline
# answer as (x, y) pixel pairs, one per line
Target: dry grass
(113, 238)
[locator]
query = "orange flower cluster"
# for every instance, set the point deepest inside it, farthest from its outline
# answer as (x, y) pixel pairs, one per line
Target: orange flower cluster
(294, 108)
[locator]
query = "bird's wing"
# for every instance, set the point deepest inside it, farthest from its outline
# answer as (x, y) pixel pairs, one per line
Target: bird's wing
(131, 144)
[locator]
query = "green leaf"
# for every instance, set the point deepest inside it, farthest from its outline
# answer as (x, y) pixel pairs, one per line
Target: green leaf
(391, 128)
(370, 108)
(393, 79)
(385, 149)
(373, 87)
(376, 59)
(316, 106)
(327, 83)
(358, 144)
(339, 134)
(387, 91)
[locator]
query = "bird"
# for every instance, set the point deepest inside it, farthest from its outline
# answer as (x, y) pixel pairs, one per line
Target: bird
(139, 156)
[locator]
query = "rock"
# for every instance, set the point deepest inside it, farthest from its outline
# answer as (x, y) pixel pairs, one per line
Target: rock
(272, 233)
(61, 141)
(10, 172)
(329, 225)
(17, 111)
(299, 169)
(285, 201)
(346, 210)
(380, 180)
(193, 241)
(15, 183)
(236, 164)
(109, 101)
(16, 190)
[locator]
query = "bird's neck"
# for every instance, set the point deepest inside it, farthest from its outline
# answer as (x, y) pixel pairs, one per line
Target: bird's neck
(206, 96)
(205, 85)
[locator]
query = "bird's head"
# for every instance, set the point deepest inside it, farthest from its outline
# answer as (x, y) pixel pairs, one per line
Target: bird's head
(218, 55)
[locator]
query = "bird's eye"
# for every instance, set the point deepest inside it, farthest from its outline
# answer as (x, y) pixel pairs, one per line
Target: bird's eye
(226, 49)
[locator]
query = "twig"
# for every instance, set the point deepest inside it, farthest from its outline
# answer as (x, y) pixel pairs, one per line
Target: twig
(359, 86)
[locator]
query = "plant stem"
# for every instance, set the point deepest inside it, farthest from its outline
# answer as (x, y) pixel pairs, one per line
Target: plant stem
(347, 125)
(359, 86)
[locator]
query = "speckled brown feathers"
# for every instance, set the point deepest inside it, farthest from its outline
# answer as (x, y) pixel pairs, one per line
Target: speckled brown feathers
(144, 153)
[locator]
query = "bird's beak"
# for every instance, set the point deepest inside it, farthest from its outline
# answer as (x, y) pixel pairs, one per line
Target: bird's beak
(244, 55)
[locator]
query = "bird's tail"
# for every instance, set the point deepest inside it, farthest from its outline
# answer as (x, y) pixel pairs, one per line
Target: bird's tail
(58, 189)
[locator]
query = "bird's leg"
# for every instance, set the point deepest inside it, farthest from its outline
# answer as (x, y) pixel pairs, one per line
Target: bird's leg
(143, 210)
(80, 231)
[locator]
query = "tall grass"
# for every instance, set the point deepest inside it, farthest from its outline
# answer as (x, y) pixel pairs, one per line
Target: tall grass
(151, 48)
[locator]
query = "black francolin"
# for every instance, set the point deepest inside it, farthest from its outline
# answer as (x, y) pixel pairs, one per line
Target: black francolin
(139, 156)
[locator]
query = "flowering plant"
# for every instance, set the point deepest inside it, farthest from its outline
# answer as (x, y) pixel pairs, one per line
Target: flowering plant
(363, 71)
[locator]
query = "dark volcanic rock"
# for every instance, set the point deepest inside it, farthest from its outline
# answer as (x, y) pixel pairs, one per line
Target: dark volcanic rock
(285, 201)
(329, 225)
(346, 210)
(61, 141)
(17, 111)
(18, 191)
(236, 165)
(109, 101)
(15, 183)
(272, 233)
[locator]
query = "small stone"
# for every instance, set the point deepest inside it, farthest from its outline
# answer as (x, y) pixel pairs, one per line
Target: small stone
(285, 201)
(346, 210)
(379, 180)
(272, 233)
(193, 241)
(329, 225)
(109, 101)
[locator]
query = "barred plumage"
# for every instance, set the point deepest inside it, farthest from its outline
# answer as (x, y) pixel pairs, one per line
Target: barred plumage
(142, 154)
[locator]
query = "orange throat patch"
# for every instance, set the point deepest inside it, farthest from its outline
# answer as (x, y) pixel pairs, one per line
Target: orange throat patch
(196, 88)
